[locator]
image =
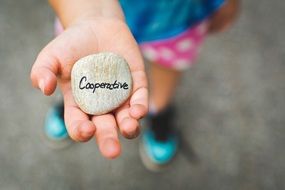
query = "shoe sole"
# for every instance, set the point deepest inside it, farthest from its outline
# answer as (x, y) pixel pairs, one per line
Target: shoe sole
(55, 143)
(148, 163)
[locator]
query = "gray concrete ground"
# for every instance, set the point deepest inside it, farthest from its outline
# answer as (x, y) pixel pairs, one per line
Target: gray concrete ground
(231, 110)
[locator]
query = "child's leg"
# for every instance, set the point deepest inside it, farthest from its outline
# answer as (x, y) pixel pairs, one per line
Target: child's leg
(163, 82)
(169, 58)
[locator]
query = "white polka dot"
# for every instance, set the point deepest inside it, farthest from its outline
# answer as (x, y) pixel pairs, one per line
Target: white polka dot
(181, 64)
(202, 28)
(184, 45)
(150, 53)
(166, 53)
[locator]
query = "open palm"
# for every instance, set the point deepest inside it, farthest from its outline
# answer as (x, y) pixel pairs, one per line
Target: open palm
(53, 66)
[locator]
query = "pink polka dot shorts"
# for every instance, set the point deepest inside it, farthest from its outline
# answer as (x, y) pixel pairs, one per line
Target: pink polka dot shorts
(179, 52)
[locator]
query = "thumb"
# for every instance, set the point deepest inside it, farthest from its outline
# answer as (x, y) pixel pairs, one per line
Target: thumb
(44, 71)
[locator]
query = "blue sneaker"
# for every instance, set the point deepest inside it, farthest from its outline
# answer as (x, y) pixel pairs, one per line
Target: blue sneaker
(54, 129)
(159, 142)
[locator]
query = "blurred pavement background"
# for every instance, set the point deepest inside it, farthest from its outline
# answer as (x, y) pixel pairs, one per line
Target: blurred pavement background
(231, 110)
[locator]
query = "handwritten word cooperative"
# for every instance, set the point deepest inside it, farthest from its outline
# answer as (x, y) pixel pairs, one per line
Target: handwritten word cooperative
(83, 84)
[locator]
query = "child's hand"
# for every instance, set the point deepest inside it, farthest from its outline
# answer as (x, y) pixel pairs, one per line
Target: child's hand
(53, 66)
(224, 17)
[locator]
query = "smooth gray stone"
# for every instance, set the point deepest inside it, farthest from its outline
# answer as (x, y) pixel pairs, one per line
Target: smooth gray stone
(101, 82)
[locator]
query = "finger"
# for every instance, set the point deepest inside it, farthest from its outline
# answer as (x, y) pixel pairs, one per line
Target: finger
(107, 136)
(44, 71)
(128, 115)
(126, 46)
(78, 125)
(129, 127)
(139, 99)
(139, 103)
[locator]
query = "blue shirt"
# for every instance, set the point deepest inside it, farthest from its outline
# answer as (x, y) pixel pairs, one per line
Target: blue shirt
(160, 19)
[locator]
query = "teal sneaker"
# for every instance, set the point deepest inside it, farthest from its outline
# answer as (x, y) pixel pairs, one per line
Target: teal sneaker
(159, 142)
(54, 129)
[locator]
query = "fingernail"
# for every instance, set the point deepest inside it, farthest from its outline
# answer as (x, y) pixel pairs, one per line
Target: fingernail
(109, 143)
(133, 135)
(86, 131)
(86, 135)
(110, 148)
(42, 85)
(136, 133)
